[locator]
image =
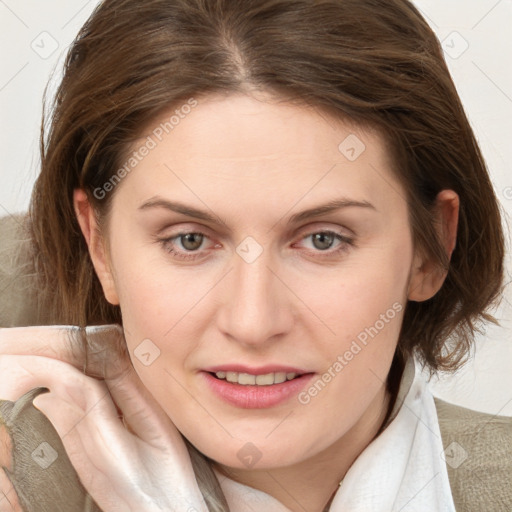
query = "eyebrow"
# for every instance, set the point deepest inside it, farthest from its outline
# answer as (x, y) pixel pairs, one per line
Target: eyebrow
(177, 207)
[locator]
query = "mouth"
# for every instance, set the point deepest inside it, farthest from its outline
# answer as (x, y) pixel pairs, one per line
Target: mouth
(247, 379)
(256, 390)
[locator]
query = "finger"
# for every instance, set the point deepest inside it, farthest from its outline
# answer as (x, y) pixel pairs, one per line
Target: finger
(49, 341)
(76, 404)
(85, 418)
(144, 416)
(8, 498)
(23, 373)
(104, 348)
(119, 472)
(75, 397)
(83, 402)
(16, 379)
(100, 464)
(90, 435)
(158, 450)
(99, 351)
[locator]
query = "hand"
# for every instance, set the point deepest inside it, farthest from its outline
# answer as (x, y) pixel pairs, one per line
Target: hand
(143, 466)
(8, 499)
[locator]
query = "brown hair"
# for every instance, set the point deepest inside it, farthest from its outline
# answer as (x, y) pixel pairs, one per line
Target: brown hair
(375, 62)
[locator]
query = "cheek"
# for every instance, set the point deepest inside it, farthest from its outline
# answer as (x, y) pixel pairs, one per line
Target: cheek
(153, 294)
(366, 290)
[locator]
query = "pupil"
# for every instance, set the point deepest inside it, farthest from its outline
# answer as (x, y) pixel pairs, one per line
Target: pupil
(322, 237)
(188, 241)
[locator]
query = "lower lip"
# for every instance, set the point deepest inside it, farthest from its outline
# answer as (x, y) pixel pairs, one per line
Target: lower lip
(256, 397)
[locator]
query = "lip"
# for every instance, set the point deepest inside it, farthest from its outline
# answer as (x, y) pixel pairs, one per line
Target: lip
(253, 370)
(255, 397)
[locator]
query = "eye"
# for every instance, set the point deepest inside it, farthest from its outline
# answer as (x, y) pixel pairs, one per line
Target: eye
(190, 243)
(322, 241)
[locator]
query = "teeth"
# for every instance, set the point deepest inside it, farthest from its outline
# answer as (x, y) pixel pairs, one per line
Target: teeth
(232, 376)
(279, 377)
(265, 380)
(247, 379)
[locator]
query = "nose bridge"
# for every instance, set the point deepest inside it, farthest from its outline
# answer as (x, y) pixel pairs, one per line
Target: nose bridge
(253, 281)
(254, 309)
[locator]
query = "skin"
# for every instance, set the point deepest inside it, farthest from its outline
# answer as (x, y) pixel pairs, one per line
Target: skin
(8, 498)
(254, 161)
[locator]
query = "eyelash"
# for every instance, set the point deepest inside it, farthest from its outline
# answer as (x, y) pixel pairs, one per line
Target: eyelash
(346, 243)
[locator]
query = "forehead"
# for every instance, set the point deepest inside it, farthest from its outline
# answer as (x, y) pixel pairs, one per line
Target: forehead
(242, 126)
(244, 147)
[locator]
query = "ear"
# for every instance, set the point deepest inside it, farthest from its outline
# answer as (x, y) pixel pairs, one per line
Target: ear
(426, 278)
(95, 242)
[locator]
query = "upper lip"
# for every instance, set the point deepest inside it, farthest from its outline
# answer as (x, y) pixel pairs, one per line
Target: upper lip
(255, 370)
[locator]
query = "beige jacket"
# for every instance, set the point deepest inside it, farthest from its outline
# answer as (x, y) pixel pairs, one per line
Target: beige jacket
(478, 446)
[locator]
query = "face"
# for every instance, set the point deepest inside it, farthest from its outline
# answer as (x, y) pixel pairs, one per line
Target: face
(290, 252)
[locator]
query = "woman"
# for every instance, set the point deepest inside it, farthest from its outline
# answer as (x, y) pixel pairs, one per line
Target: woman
(283, 205)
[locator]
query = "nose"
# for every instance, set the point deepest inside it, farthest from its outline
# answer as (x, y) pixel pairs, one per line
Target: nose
(256, 304)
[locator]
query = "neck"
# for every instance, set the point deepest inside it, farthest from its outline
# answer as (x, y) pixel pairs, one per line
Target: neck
(312, 483)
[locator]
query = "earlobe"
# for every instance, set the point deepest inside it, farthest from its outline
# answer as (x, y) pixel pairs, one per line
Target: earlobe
(426, 278)
(88, 224)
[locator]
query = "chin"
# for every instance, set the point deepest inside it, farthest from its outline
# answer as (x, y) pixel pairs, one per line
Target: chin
(260, 454)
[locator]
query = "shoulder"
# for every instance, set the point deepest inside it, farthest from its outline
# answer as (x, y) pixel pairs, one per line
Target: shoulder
(478, 454)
